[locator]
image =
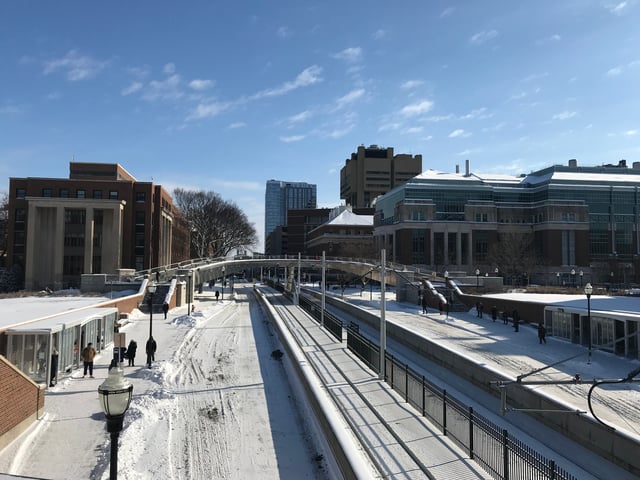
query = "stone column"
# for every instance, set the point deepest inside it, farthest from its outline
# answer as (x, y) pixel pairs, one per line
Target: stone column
(88, 241)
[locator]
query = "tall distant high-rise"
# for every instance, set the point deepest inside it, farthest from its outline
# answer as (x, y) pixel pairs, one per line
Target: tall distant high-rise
(279, 197)
(373, 171)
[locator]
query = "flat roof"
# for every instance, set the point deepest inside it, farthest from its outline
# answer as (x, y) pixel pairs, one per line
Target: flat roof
(17, 311)
(68, 319)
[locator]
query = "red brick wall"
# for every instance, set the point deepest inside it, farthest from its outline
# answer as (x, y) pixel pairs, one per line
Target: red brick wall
(20, 398)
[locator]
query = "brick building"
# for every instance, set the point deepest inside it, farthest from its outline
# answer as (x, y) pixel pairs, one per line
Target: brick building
(99, 220)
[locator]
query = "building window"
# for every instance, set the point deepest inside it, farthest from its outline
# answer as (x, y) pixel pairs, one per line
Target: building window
(97, 194)
(47, 192)
(140, 217)
(21, 214)
(21, 192)
(64, 193)
(140, 197)
(81, 193)
(113, 195)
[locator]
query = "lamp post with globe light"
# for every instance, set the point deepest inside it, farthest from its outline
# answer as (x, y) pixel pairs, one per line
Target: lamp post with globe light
(477, 278)
(588, 290)
(115, 396)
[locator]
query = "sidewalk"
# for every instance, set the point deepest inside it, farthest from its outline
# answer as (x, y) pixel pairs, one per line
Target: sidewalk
(73, 426)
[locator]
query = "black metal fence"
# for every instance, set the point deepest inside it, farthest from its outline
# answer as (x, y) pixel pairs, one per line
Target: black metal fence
(332, 323)
(502, 455)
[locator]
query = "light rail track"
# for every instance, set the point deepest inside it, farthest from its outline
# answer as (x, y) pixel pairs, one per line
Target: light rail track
(384, 445)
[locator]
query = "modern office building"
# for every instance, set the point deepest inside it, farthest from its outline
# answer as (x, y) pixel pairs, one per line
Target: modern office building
(99, 220)
(281, 196)
(373, 171)
(583, 222)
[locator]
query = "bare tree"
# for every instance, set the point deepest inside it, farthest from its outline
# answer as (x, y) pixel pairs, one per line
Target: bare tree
(217, 227)
(514, 254)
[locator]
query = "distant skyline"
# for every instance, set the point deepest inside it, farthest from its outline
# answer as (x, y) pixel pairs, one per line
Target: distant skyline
(225, 96)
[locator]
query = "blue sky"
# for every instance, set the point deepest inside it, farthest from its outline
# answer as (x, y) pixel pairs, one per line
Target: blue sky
(225, 95)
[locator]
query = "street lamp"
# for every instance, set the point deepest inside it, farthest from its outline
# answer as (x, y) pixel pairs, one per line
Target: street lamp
(588, 290)
(115, 396)
(151, 289)
(446, 284)
(558, 277)
(581, 274)
(573, 277)
(496, 271)
(223, 282)
(477, 277)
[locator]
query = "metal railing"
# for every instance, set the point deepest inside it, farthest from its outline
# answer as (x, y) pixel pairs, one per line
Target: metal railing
(502, 455)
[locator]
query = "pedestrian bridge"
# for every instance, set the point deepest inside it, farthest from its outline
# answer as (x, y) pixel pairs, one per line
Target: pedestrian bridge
(409, 281)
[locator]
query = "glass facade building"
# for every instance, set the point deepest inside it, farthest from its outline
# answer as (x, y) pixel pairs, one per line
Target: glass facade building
(585, 218)
(281, 196)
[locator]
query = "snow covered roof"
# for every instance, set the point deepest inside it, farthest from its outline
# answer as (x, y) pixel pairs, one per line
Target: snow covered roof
(349, 218)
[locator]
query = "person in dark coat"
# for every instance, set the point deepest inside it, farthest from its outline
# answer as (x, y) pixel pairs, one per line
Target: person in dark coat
(424, 304)
(131, 352)
(516, 320)
(151, 351)
(165, 309)
(494, 313)
(542, 333)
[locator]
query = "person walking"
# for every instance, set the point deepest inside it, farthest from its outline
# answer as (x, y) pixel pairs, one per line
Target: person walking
(516, 320)
(151, 351)
(217, 294)
(131, 352)
(165, 309)
(480, 309)
(424, 304)
(88, 354)
(542, 333)
(494, 313)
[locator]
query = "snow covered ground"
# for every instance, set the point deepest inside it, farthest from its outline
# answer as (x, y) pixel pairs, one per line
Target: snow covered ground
(206, 411)
(215, 405)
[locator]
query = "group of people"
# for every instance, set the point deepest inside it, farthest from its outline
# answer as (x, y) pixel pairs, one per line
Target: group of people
(89, 352)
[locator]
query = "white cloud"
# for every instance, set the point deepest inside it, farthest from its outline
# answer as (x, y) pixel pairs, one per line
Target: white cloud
(200, 85)
(411, 84)
(169, 69)
(459, 133)
(564, 115)
(619, 8)
(478, 113)
(378, 34)
(54, 96)
(631, 133)
(133, 88)
(417, 108)
(292, 138)
(389, 126)
(614, 72)
(411, 130)
(308, 76)
(441, 118)
(300, 117)
(350, 55)
(550, 39)
(208, 110)
(168, 89)
(76, 67)
(235, 125)
(350, 97)
(339, 133)
(483, 37)
(446, 12)
(535, 76)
